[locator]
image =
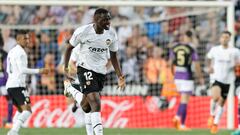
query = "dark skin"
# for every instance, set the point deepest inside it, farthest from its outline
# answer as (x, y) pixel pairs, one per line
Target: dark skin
(91, 102)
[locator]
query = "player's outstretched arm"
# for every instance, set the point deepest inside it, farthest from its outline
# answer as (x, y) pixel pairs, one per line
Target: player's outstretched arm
(25, 70)
(116, 66)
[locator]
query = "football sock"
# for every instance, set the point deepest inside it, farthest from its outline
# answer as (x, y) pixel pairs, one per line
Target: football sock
(212, 107)
(20, 120)
(182, 112)
(77, 95)
(97, 123)
(10, 111)
(218, 115)
(88, 124)
(15, 117)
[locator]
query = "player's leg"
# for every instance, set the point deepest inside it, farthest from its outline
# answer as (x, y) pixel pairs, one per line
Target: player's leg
(10, 112)
(239, 109)
(88, 123)
(183, 108)
(80, 99)
(237, 86)
(93, 99)
(17, 113)
(218, 115)
(3, 92)
(85, 105)
(87, 109)
(224, 88)
(22, 101)
(185, 87)
(75, 92)
(91, 84)
(75, 106)
(215, 94)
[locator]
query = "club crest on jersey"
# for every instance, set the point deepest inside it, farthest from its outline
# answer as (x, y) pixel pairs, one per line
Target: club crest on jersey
(88, 82)
(108, 41)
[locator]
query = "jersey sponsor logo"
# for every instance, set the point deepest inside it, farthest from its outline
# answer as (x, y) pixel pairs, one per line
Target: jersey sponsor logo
(98, 50)
(88, 82)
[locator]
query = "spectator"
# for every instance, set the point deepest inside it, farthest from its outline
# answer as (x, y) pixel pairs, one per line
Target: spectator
(47, 45)
(129, 66)
(9, 42)
(41, 15)
(153, 70)
(50, 83)
(124, 32)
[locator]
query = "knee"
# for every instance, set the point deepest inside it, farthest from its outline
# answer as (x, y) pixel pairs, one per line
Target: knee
(215, 98)
(86, 108)
(221, 101)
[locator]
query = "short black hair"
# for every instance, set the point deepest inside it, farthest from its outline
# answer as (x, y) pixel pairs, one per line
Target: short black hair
(227, 32)
(100, 11)
(189, 34)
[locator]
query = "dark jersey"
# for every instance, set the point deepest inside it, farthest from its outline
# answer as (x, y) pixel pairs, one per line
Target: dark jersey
(183, 55)
(3, 73)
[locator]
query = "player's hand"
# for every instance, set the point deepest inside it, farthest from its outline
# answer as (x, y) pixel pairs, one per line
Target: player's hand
(121, 83)
(44, 71)
(67, 74)
(210, 70)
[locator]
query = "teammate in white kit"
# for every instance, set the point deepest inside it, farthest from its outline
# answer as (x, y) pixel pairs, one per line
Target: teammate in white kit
(221, 62)
(96, 40)
(16, 84)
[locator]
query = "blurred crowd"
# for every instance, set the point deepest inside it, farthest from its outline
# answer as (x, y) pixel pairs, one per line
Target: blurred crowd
(145, 35)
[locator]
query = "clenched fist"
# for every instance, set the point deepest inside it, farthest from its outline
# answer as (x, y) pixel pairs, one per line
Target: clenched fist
(44, 71)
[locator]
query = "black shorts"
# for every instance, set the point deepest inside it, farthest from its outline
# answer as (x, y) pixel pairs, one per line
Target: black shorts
(224, 88)
(90, 81)
(19, 96)
(76, 86)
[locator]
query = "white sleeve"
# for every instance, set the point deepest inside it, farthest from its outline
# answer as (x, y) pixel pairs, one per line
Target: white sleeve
(210, 54)
(114, 45)
(23, 66)
(238, 55)
(76, 37)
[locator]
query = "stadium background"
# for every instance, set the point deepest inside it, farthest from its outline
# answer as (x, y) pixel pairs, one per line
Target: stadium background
(145, 35)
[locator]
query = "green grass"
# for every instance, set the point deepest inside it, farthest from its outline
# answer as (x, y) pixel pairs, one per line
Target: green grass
(81, 131)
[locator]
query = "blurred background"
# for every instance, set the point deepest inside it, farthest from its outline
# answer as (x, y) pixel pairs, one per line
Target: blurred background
(145, 34)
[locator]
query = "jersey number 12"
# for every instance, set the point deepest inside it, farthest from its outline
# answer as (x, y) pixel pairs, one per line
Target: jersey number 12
(88, 75)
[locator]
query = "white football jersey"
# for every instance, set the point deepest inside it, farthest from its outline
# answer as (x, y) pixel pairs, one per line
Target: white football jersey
(94, 48)
(223, 63)
(17, 67)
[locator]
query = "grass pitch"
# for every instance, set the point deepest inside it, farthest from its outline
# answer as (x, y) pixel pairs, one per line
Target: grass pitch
(117, 131)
